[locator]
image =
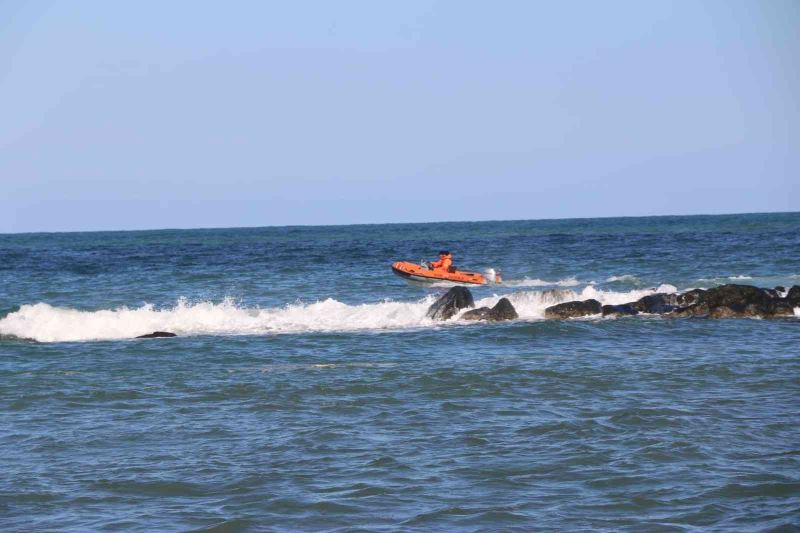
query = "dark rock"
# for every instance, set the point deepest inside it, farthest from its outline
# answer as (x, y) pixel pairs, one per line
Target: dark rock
(574, 309)
(727, 301)
(619, 310)
(698, 309)
(780, 288)
(503, 310)
(481, 313)
(450, 303)
(156, 335)
(793, 297)
(737, 310)
(725, 311)
(720, 302)
(734, 295)
(655, 303)
(781, 307)
(689, 298)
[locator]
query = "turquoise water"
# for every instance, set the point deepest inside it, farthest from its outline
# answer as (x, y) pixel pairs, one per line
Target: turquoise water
(307, 390)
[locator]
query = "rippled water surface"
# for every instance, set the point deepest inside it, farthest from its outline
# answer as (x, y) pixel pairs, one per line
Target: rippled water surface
(307, 390)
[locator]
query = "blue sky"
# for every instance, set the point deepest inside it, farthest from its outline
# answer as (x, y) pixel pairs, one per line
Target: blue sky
(138, 115)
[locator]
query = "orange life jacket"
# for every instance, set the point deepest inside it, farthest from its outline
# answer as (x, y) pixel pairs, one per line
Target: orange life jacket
(443, 263)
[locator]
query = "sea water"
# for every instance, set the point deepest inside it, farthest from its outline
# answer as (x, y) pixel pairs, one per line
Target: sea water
(307, 389)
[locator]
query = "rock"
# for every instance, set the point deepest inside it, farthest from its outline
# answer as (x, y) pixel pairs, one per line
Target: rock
(793, 297)
(782, 307)
(503, 310)
(450, 303)
(730, 311)
(720, 302)
(481, 313)
(655, 303)
(727, 301)
(734, 295)
(619, 310)
(698, 309)
(689, 298)
(780, 288)
(156, 335)
(573, 309)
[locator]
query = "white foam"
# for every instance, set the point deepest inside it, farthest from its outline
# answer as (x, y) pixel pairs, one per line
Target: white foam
(723, 278)
(629, 278)
(528, 282)
(46, 323)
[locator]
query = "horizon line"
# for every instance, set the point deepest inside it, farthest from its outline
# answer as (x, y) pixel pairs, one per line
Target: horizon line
(347, 224)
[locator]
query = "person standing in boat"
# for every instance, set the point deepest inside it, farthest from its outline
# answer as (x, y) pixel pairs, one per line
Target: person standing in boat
(444, 263)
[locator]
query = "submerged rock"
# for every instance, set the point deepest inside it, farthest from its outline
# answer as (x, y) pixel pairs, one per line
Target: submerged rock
(156, 335)
(503, 310)
(450, 303)
(574, 309)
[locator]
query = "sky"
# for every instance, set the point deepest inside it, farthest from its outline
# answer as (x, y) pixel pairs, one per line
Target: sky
(144, 115)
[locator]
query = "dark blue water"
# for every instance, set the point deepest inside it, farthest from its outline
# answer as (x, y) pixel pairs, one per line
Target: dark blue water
(307, 390)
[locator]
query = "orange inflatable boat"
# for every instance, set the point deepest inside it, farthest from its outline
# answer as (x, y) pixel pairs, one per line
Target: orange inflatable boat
(424, 274)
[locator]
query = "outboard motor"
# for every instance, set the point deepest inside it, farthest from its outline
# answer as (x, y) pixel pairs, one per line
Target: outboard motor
(493, 276)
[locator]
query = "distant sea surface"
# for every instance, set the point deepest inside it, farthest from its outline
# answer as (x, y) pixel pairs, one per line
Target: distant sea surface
(306, 389)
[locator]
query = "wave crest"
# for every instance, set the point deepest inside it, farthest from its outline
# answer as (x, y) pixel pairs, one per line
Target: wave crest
(45, 323)
(528, 282)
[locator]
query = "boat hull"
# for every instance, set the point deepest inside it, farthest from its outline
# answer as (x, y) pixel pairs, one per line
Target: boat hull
(419, 274)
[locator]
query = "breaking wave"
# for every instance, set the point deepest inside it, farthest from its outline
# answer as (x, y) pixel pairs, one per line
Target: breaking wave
(45, 323)
(628, 278)
(723, 279)
(528, 282)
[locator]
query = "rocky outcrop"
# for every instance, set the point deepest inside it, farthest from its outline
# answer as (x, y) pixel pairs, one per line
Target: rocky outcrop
(450, 303)
(782, 307)
(658, 303)
(735, 295)
(503, 310)
(725, 301)
(156, 335)
(793, 296)
(731, 300)
(689, 298)
(574, 309)
(619, 310)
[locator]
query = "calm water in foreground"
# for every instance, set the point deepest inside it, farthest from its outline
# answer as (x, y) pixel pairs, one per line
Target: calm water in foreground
(307, 390)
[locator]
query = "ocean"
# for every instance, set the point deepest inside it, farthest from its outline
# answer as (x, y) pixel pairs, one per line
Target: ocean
(307, 390)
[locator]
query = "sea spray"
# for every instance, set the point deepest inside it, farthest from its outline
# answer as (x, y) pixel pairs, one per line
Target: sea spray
(46, 323)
